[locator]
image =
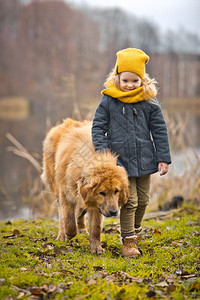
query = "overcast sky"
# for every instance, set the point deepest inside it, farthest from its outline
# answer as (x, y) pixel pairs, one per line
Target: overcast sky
(168, 14)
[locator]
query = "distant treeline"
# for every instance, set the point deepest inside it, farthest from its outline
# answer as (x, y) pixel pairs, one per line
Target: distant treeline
(51, 49)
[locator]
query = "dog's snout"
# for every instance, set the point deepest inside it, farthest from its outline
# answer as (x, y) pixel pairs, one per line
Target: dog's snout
(113, 212)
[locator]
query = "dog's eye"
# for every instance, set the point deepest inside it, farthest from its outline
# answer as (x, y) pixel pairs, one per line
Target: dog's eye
(116, 191)
(102, 194)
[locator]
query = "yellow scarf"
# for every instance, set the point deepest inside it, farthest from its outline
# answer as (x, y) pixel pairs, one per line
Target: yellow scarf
(133, 96)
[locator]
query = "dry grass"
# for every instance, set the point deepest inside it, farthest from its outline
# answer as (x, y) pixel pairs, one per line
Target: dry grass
(184, 175)
(182, 179)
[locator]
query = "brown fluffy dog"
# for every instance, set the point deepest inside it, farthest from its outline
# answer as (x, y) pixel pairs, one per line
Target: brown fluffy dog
(81, 178)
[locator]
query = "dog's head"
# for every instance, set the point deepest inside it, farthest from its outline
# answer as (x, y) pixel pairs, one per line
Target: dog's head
(105, 188)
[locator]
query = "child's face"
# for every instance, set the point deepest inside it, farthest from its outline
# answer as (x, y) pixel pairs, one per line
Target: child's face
(129, 81)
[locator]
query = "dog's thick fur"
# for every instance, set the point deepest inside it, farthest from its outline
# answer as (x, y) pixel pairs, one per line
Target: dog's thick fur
(82, 178)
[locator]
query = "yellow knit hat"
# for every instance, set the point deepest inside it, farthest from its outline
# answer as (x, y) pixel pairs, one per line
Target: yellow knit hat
(131, 60)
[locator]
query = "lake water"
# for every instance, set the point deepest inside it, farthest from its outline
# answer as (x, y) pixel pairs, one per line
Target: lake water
(18, 177)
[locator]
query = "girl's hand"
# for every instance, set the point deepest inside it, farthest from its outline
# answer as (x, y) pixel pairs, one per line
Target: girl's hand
(163, 168)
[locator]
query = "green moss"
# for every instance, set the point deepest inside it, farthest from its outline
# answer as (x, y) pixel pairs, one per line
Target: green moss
(30, 256)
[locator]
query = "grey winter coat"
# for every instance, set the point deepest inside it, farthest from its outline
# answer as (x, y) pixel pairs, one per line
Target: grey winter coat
(135, 131)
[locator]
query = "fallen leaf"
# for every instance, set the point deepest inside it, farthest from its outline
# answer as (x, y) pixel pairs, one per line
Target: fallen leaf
(45, 288)
(104, 245)
(49, 266)
(160, 293)
(36, 291)
(183, 274)
(43, 251)
(10, 236)
(16, 288)
(156, 231)
(124, 275)
(179, 244)
(173, 256)
(98, 268)
(38, 239)
(21, 294)
(110, 278)
(9, 244)
(194, 286)
(99, 274)
(63, 272)
(52, 289)
(151, 294)
(69, 250)
(169, 278)
(120, 294)
(86, 296)
(68, 284)
(23, 269)
(115, 251)
(171, 288)
(49, 289)
(16, 232)
(74, 243)
(151, 250)
(138, 279)
(162, 284)
(8, 223)
(174, 243)
(2, 281)
(120, 275)
(92, 281)
(41, 272)
(187, 276)
(179, 271)
(111, 229)
(49, 246)
(57, 250)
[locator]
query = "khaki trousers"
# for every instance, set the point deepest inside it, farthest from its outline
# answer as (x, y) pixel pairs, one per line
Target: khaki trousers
(132, 213)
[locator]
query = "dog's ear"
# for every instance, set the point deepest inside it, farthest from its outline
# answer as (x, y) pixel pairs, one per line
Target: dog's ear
(86, 187)
(124, 190)
(124, 194)
(83, 185)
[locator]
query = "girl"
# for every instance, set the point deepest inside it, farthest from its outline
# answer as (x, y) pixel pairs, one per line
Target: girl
(129, 121)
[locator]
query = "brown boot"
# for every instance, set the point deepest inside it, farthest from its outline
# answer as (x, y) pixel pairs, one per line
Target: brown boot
(129, 246)
(138, 230)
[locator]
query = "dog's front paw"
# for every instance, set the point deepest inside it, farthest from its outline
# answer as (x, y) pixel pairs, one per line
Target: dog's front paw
(96, 248)
(83, 230)
(64, 236)
(61, 237)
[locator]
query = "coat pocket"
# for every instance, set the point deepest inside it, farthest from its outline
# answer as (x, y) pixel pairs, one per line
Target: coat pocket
(147, 155)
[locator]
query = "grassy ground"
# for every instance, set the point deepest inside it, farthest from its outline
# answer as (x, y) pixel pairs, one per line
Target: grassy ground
(33, 265)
